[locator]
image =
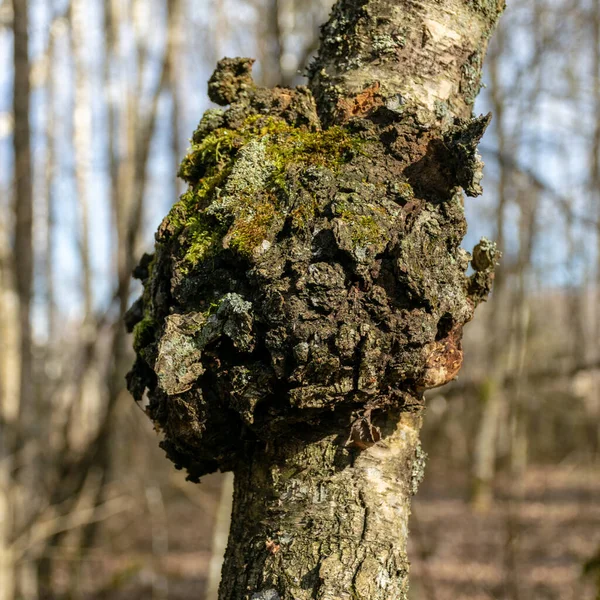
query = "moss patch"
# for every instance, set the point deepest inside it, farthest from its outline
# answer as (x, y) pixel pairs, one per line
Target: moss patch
(202, 238)
(238, 186)
(253, 228)
(144, 333)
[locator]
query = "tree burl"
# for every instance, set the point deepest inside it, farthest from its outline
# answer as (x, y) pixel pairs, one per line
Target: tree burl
(307, 273)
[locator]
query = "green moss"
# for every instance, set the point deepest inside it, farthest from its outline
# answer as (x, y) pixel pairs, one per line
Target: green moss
(212, 153)
(212, 308)
(366, 231)
(252, 229)
(303, 213)
(208, 219)
(144, 333)
(203, 238)
(195, 199)
(330, 148)
(211, 119)
(364, 228)
(285, 144)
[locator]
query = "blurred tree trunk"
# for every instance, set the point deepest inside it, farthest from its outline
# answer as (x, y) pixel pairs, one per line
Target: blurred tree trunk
(82, 136)
(491, 396)
(49, 180)
(23, 208)
(44, 562)
(132, 118)
(521, 314)
(270, 43)
(23, 276)
(175, 55)
(9, 393)
(491, 399)
(595, 196)
(78, 430)
(130, 180)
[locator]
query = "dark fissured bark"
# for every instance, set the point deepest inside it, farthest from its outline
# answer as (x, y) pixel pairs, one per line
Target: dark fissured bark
(307, 289)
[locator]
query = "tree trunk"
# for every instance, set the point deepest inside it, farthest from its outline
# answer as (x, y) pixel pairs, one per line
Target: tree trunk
(492, 398)
(9, 396)
(486, 441)
(319, 520)
(82, 134)
(595, 185)
(25, 426)
(425, 57)
(220, 534)
(313, 518)
(23, 243)
(310, 285)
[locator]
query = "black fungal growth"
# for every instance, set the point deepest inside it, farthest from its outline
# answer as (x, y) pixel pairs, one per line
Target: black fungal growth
(301, 274)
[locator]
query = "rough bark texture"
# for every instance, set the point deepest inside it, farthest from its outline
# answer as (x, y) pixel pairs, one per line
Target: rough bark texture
(314, 520)
(419, 56)
(306, 290)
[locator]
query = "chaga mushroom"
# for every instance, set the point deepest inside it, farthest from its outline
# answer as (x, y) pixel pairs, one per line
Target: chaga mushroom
(299, 276)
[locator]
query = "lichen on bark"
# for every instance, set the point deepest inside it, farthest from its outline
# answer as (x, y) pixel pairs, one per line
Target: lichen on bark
(304, 292)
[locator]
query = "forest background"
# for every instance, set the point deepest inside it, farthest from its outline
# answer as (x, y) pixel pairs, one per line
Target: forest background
(97, 101)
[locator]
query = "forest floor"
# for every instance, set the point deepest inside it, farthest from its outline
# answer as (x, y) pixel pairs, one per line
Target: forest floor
(530, 545)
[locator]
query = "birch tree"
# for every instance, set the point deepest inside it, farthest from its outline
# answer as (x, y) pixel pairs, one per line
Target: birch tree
(309, 286)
